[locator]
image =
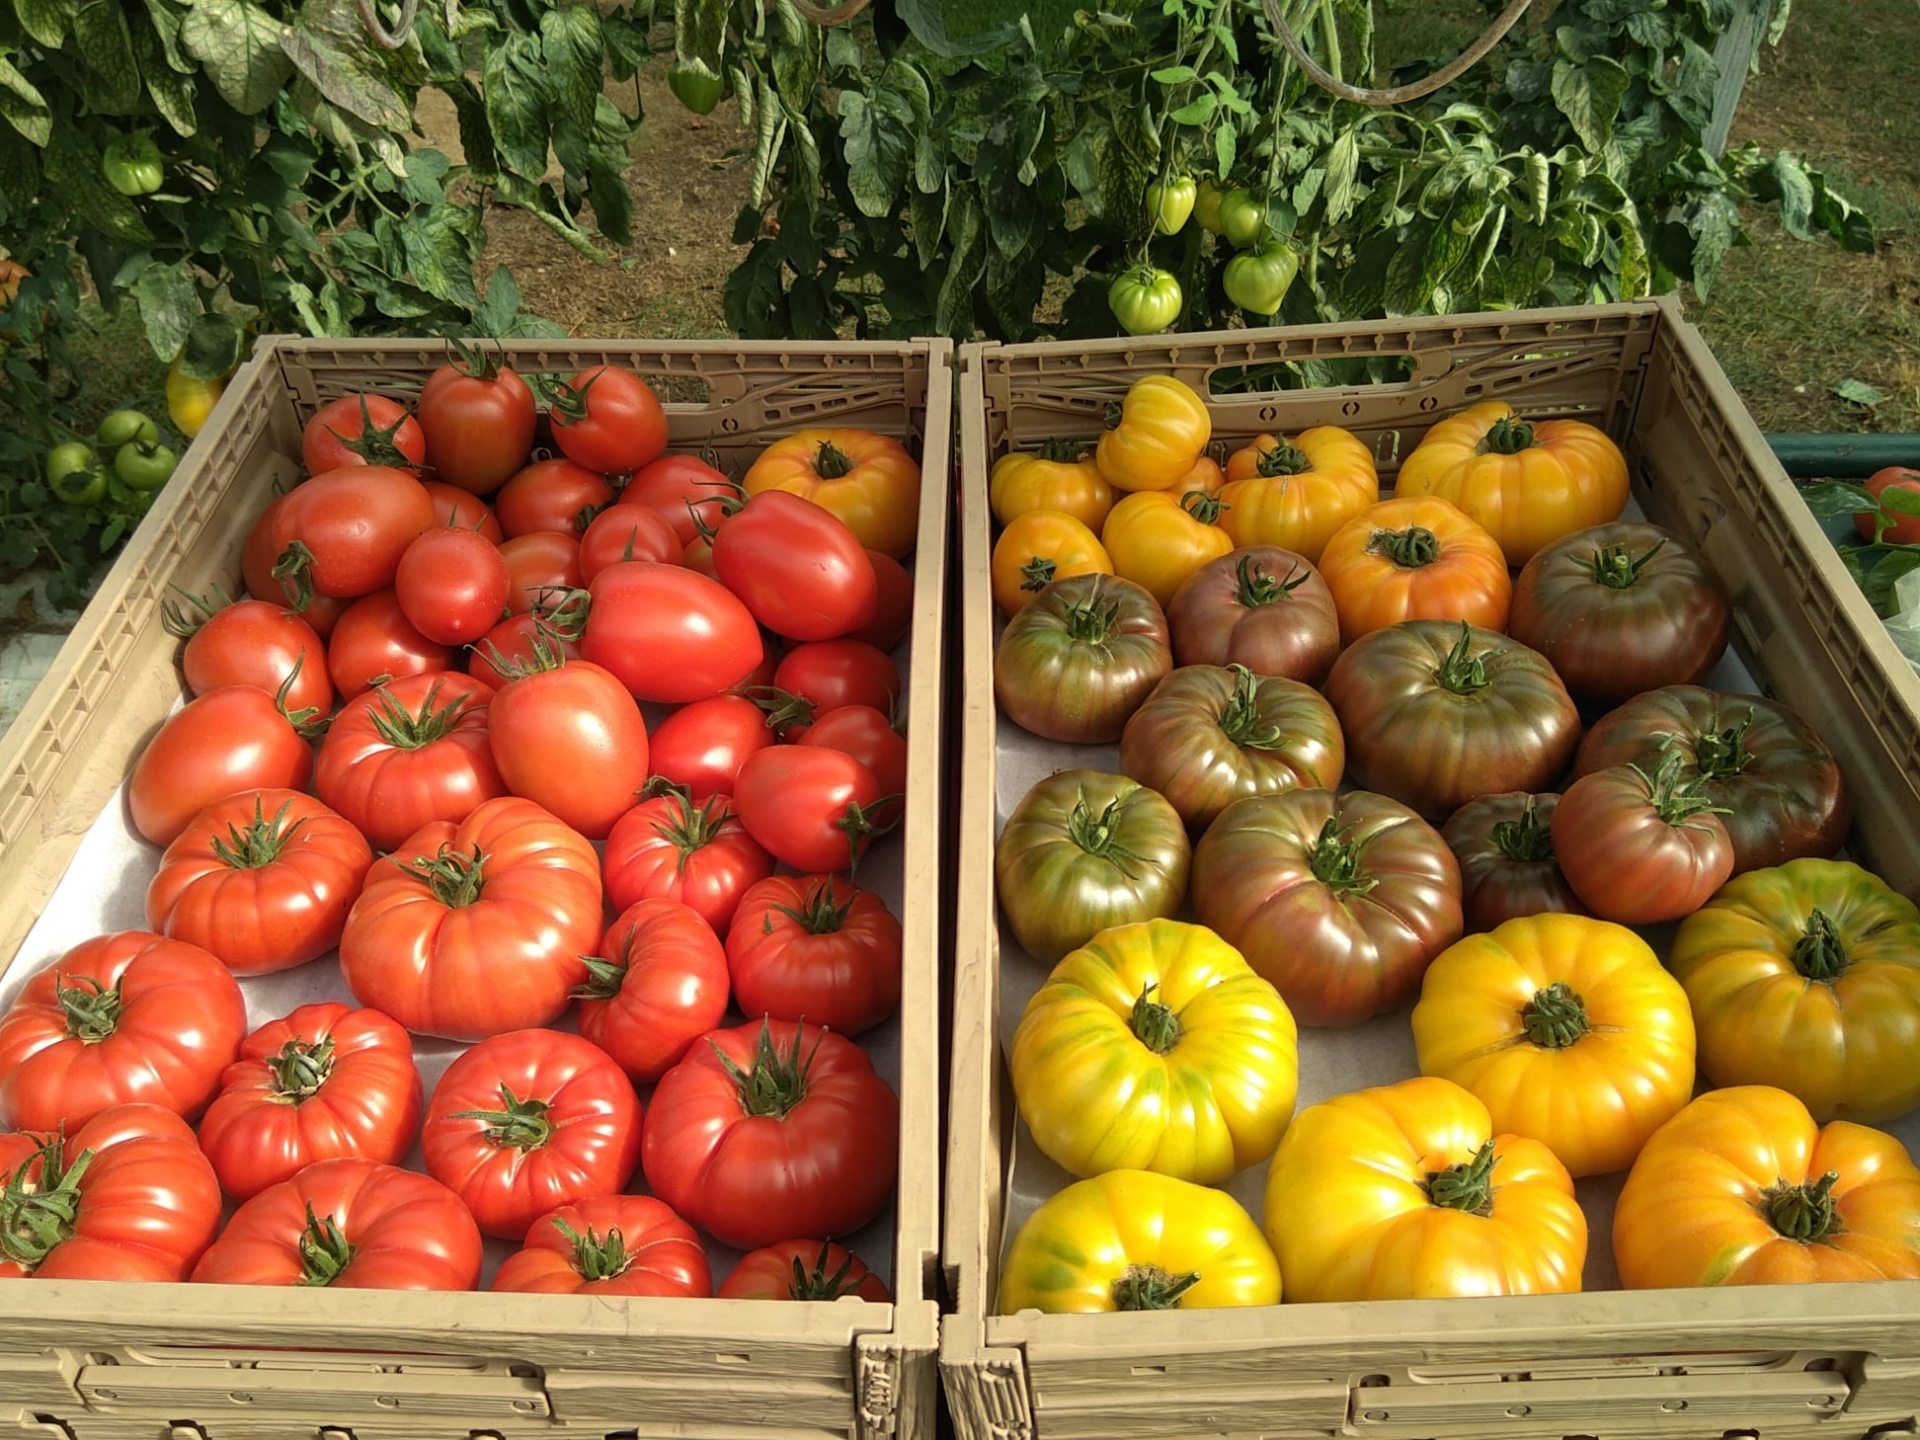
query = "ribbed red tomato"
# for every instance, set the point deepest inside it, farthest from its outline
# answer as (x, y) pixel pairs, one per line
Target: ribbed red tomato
(658, 984)
(610, 1245)
(815, 948)
(803, 1270)
(669, 847)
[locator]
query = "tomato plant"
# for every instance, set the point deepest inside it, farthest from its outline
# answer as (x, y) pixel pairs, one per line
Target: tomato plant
(1145, 300)
(232, 739)
(608, 419)
(668, 634)
(803, 1270)
(815, 948)
(609, 1245)
(674, 848)
(452, 585)
(1261, 607)
(361, 430)
(658, 984)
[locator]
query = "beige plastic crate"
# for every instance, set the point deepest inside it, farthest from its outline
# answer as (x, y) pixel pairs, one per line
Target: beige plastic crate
(167, 1362)
(1746, 1364)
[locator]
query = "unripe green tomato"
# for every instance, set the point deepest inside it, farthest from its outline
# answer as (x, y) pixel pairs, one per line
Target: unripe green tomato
(144, 467)
(1144, 300)
(79, 487)
(1171, 204)
(695, 86)
(1258, 280)
(1206, 206)
(68, 459)
(1243, 219)
(123, 427)
(132, 165)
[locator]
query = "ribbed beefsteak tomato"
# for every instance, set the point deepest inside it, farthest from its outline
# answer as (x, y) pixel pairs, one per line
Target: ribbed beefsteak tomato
(658, 984)
(609, 1245)
(1077, 662)
(1262, 607)
(815, 948)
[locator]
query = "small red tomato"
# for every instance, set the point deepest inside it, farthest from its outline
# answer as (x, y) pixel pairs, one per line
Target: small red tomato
(463, 510)
(361, 430)
(478, 418)
(893, 604)
(627, 532)
(832, 673)
(1897, 485)
(551, 495)
(813, 808)
(658, 984)
(343, 532)
(815, 948)
(257, 561)
(375, 643)
(513, 642)
(325, 1082)
(701, 747)
(796, 566)
(568, 736)
(864, 733)
(610, 1245)
(231, 739)
(685, 490)
(669, 635)
(253, 642)
(542, 569)
(452, 585)
(528, 1121)
(672, 847)
(609, 420)
(803, 1270)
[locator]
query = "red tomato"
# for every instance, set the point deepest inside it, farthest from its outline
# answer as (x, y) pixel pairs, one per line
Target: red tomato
(126, 1196)
(815, 948)
(474, 929)
(760, 679)
(609, 420)
(263, 879)
(798, 568)
(478, 421)
(526, 1122)
(361, 430)
(410, 753)
(803, 1270)
(512, 643)
(122, 1019)
(668, 634)
(231, 739)
(542, 569)
(611, 1245)
(343, 532)
(627, 532)
(257, 560)
(1905, 481)
(701, 747)
(686, 490)
(352, 1224)
(698, 557)
(257, 643)
(771, 1128)
(1638, 848)
(674, 848)
(463, 510)
(375, 642)
(452, 585)
(658, 984)
(551, 495)
(568, 736)
(325, 1082)
(893, 605)
(832, 673)
(864, 733)
(812, 807)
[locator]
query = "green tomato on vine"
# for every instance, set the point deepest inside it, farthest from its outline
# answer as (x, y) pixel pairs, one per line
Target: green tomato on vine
(142, 466)
(1145, 300)
(132, 165)
(1258, 280)
(1171, 203)
(1206, 205)
(72, 475)
(123, 427)
(1243, 219)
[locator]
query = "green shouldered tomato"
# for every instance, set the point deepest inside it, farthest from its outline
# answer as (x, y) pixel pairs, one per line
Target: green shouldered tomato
(123, 427)
(79, 487)
(1206, 205)
(1258, 280)
(1144, 300)
(1243, 218)
(132, 165)
(1171, 203)
(142, 466)
(695, 86)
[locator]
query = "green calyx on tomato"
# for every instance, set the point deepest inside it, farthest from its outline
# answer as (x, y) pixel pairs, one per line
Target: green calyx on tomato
(308, 721)
(123, 427)
(817, 1284)
(1617, 568)
(132, 165)
(1243, 219)
(776, 1082)
(595, 1257)
(1675, 800)
(92, 1009)
(1555, 1017)
(1509, 436)
(1282, 459)
(1205, 508)
(542, 654)
(73, 457)
(1524, 841)
(1820, 954)
(404, 730)
(1098, 837)
(696, 86)
(325, 1251)
(260, 843)
(455, 877)
(375, 444)
(1464, 672)
(519, 1124)
(1410, 549)
(1037, 573)
(1258, 280)
(301, 1067)
(1802, 1212)
(1335, 861)
(1254, 587)
(38, 1212)
(781, 707)
(1145, 300)
(1466, 1186)
(1722, 752)
(691, 827)
(1090, 623)
(831, 463)
(1171, 203)
(1148, 1287)
(1154, 1024)
(1240, 722)
(818, 913)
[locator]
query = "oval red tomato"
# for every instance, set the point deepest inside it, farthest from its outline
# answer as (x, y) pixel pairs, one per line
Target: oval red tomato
(462, 510)
(452, 585)
(343, 532)
(893, 604)
(375, 642)
(685, 490)
(803, 1270)
(864, 733)
(478, 421)
(811, 807)
(551, 495)
(361, 430)
(669, 635)
(609, 420)
(832, 673)
(569, 737)
(658, 984)
(610, 1245)
(542, 570)
(257, 560)
(231, 739)
(815, 948)
(796, 566)
(257, 643)
(627, 532)
(701, 747)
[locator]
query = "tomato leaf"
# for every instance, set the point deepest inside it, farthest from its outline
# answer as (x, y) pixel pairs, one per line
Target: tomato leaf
(1858, 392)
(1589, 95)
(516, 105)
(44, 20)
(239, 44)
(24, 107)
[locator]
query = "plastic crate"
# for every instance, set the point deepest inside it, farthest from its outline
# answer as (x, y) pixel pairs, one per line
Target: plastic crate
(101, 1359)
(1762, 1364)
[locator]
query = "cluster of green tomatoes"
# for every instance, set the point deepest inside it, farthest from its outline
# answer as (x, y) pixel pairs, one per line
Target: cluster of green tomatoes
(125, 463)
(1146, 299)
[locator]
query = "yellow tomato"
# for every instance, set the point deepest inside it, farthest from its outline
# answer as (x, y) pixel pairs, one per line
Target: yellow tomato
(1406, 1193)
(1527, 484)
(1158, 538)
(1038, 548)
(1060, 475)
(1133, 1240)
(1414, 559)
(1807, 976)
(1743, 1188)
(1164, 427)
(1296, 495)
(1155, 1047)
(190, 401)
(1567, 1029)
(868, 480)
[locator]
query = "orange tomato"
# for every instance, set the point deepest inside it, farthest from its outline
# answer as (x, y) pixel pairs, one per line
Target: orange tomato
(1060, 475)
(1163, 429)
(1296, 495)
(868, 480)
(1038, 548)
(1414, 559)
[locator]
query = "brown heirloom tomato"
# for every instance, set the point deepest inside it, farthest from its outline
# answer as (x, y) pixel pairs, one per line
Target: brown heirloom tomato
(1437, 714)
(1208, 736)
(1640, 848)
(1077, 662)
(1782, 788)
(1508, 871)
(1620, 609)
(1262, 607)
(1340, 901)
(1083, 852)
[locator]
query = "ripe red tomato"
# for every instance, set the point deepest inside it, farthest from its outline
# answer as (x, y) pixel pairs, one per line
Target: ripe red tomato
(343, 532)
(551, 495)
(695, 852)
(511, 642)
(231, 739)
(1638, 848)
(627, 532)
(473, 929)
(770, 1128)
(815, 948)
(701, 747)
(611, 1245)
(526, 1122)
(452, 585)
(542, 569)
(668, 634)
(1883, 484)
(609, 420)
(257, 643)
(351, 1224)
(812, 807)
(832, 673)
(375, 642)
(257, 559)
(478, 421)
(125, 1196)
(463, 510)
(263, 879)
(568, 736)
(325, 1082)
(410, 753)
(798, 568)
(658, 984)
(686, 490)
(803, 1270)
(121, 1019)
(864, 733)
(893, 604)
(361, 430)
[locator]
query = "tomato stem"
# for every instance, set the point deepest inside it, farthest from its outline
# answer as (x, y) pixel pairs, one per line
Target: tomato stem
(1037, 573)
(1466, 1186)
(1673, 799)
(1617, 568)
(1525, 841)
(817, 1284)
(831, 463)
(858, 825)
(1509, 436)
(1720, 752)
(1462, 671)
(294, 570)
(1153, 1023)
(455, 877)
(604, 977)
(521, 1123)
(782, 707)
(1556, 1017)
(1803, 1212)
(92, 1009)
(1099, 837)
(1254, 587)
(1410, 549)
(1336, 862)
(1241, 721)
(1281, 459)
(818, 914)
(175, 618)
(1819, 953)
(301, 1067)
(1060, 452)
(375, 445)
(567, 405)
(595, 1258)
(260, 844)
(38, 1212)
(1090, 622)
(325, 1251)
(1148, 1287)
(308, 721)
(405, 730)
(545, 655)
(565, 619)
(775, 1083)
(1205, 508)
